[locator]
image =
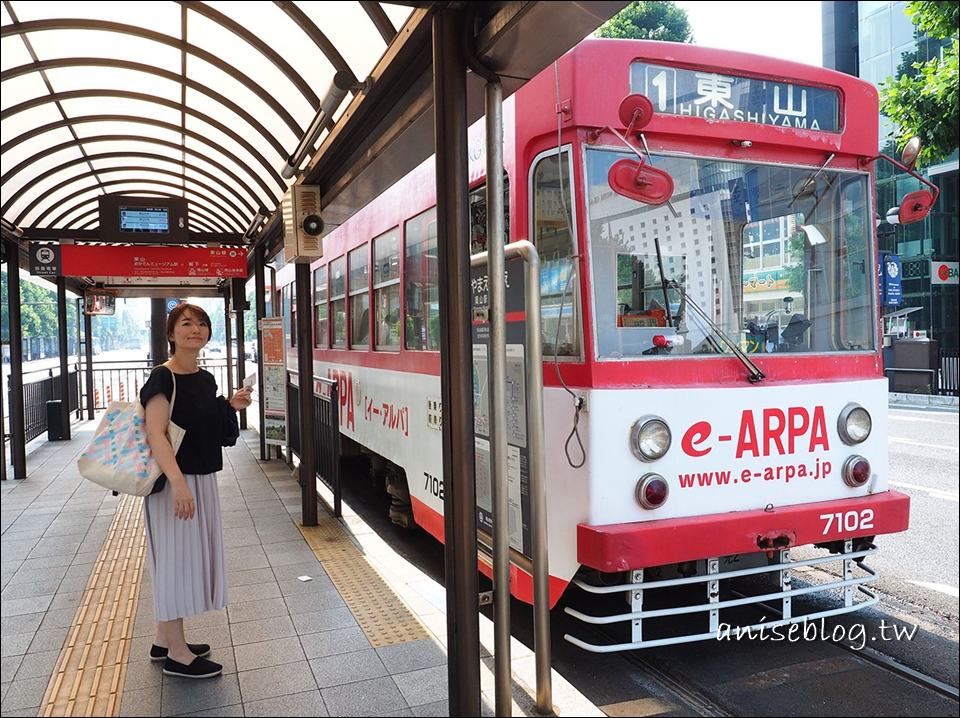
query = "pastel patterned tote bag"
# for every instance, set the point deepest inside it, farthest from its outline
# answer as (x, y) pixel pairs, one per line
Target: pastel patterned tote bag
(118, 457)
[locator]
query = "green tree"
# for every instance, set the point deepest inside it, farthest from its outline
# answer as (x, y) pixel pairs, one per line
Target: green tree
(649, 21)
(923, 100)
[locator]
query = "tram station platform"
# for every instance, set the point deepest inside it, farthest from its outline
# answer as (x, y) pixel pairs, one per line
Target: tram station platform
(322, 621)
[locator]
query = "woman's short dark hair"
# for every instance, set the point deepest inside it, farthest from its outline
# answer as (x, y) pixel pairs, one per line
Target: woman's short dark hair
(178, 312)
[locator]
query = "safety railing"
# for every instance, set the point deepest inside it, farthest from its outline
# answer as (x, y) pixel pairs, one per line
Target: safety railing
(111, 381)
(42, 388)
(949, 374)
(326, 433)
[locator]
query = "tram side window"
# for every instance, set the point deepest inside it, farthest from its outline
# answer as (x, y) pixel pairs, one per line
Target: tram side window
(855, 293)
(478, 216)
(386, 289)
(338, 302)
(553, 236)
(358, 266)
(322, 339)
(420, 289)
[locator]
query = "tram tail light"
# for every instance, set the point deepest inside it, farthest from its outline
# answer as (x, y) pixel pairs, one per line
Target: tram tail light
(652, 491)
(856, 471)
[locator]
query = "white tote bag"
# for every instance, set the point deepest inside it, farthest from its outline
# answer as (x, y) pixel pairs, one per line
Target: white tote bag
(118, 456)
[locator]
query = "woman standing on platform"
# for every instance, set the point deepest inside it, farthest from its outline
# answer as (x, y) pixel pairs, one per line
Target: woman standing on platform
(182, 516)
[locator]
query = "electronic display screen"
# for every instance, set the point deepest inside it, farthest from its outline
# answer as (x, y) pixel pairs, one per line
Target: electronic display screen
(152, 220)
(130, 219)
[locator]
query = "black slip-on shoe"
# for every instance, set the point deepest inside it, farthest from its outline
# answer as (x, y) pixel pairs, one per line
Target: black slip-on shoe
(200, 650)
(197, 668)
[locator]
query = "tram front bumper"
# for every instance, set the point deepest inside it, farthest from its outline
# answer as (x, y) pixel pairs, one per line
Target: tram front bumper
(622, 547)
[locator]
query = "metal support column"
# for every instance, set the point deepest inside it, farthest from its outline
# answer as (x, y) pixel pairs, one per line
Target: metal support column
(260, 294)
(308, 448)
(238, 292)
(88, 361)
(538, 482)
(159, 344)
(456, 365)
(64, 357)
(228, 342)
(496, 269)
(18, 420)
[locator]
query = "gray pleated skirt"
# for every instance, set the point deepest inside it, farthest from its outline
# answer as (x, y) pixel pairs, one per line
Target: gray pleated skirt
(186, 558)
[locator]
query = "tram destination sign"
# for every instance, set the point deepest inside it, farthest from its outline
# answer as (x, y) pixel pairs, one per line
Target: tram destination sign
(722, 96)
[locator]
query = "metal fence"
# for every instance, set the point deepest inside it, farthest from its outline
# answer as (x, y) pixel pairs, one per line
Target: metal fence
(36, 395)
(112, 381)
(949, 372)
(326, 433)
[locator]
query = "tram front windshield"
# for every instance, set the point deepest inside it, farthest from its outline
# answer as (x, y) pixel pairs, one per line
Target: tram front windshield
(774, 259)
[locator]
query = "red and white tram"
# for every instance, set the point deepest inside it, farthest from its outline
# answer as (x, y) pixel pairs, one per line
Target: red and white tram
(715, 403)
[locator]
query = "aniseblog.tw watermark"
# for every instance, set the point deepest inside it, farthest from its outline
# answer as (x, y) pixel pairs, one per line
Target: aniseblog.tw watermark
(855, 635)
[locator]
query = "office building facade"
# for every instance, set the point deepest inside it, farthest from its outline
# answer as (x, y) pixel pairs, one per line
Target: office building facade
(876, 41)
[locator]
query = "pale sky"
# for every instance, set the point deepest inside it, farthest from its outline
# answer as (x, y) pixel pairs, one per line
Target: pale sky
(789, 30)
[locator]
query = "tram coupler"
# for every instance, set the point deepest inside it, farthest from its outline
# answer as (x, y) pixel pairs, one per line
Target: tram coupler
(775, 542)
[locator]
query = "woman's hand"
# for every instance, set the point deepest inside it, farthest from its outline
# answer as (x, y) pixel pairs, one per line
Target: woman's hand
(242, 399)
(184, 506)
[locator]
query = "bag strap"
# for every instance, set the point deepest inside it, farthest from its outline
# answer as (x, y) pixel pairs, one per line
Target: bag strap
(173, 395)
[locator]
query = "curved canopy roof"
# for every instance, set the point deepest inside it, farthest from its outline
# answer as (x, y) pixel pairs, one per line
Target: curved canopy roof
(224, 105)
(201, 100)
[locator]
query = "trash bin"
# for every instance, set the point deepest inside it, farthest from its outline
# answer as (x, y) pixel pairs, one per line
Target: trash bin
(916, 364)
(54, 420)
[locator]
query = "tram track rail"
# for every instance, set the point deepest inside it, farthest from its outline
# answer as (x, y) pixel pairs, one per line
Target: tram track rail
(877, 658)
(707, 703)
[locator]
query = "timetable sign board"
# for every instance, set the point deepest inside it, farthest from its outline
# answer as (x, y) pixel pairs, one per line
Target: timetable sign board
(152, 220)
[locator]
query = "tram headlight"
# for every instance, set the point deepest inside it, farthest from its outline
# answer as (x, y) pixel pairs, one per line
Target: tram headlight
(854, 424)
(652, 491)
(856, 471)
(649, 438)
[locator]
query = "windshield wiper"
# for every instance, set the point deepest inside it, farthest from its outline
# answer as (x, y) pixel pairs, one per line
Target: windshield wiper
(755, 374)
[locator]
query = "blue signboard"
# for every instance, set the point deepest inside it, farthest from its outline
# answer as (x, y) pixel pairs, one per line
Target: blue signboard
(891, 292)
(172, 304)
(716, 96)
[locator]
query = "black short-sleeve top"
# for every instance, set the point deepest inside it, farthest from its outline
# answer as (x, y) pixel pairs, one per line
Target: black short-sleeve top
(195, 410)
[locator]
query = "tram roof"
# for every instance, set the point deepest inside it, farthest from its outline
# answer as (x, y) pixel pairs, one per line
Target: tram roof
(206, 101)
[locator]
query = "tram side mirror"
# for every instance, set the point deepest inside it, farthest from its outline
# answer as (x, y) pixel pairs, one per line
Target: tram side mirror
(640, 182)
(638, 179)
(916, 205)
(910, 152)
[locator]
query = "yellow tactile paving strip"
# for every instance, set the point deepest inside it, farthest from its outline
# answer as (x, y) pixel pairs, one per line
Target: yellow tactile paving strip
(88, 678)
(382, 615)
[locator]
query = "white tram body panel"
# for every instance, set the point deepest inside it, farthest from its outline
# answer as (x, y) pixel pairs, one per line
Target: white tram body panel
(782, 448)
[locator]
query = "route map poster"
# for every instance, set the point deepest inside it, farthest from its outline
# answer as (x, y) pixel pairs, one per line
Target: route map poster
(273, 392)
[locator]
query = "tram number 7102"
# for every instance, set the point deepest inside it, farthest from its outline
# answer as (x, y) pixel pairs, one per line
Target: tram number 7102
(850, 521)
(433, 485)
